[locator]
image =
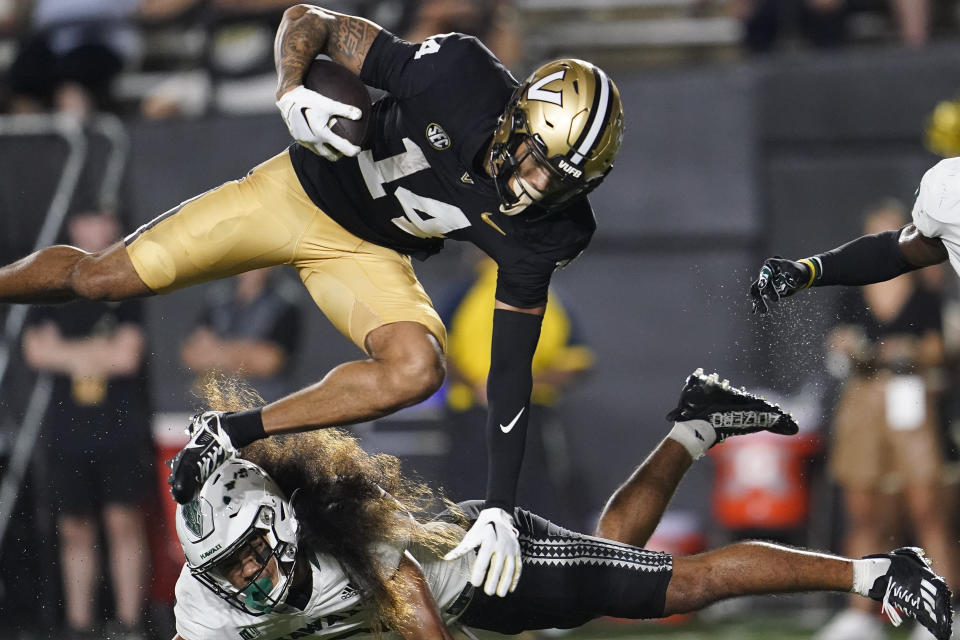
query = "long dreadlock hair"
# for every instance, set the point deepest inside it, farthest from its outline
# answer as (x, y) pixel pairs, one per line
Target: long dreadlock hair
(347, 500)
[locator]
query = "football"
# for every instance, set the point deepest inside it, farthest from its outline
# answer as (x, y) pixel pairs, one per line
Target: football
(338, 83)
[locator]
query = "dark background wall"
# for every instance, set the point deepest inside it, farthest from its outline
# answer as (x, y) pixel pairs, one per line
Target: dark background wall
(719, 168)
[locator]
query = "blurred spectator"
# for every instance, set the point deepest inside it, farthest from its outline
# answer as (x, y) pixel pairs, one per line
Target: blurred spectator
(823, 23)
(826, 23)
(98, 444)
(70, 54)
(237, 58)
(912, 18)
(546, 479)
(163, 9)
(887, 452)
(494, 22)
(239, 74)
(251, 331)
(942, 131)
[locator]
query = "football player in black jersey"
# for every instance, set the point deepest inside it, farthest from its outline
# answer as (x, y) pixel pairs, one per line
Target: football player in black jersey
(458, 150)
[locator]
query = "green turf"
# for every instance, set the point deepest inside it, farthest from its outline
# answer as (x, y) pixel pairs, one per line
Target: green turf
(760, 628)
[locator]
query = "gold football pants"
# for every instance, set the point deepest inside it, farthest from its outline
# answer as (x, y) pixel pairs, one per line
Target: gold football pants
(266, 219)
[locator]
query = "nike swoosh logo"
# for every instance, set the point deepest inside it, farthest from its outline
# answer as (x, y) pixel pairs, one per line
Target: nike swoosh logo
(303, 114)
(509, 427)
(485, 216)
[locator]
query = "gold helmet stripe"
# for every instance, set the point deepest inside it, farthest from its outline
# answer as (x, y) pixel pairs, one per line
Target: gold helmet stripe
(600, 115)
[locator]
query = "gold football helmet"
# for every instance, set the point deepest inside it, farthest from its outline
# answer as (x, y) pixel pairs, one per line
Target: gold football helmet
(570, 114)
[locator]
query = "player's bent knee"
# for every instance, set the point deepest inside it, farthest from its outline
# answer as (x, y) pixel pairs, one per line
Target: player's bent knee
(418, 375)
(88, 282)
(106, 276)
(414, 361)
(415, 377)
(688, 589)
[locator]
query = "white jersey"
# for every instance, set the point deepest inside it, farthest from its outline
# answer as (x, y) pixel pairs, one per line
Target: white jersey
(335, 608)
(936, 213)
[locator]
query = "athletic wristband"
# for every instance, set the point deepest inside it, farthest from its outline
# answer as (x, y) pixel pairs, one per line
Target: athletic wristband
(816, 270)
(696, 436)
(244, 427)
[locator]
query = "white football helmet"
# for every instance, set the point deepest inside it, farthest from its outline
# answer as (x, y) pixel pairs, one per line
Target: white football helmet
(240, 511)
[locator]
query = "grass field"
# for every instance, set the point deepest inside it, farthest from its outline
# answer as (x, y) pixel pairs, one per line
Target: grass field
(731, 630)
(763, 626)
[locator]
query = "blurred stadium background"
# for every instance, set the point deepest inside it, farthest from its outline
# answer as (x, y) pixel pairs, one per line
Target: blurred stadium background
(730, 155)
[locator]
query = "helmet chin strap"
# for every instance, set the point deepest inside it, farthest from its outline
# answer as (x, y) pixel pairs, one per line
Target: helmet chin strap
(522, 189)
(262, 591)
(524, 202)
(258, 592)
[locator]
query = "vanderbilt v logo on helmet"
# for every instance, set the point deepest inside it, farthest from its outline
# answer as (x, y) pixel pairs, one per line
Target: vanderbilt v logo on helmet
(571, 111)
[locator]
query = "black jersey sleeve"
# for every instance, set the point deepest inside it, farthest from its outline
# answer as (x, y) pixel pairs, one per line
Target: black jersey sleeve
(405, 69)
(525, 284)
(552, 243)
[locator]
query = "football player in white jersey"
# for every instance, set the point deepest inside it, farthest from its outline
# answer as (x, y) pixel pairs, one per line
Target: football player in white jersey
(932, 237)
(307, 536)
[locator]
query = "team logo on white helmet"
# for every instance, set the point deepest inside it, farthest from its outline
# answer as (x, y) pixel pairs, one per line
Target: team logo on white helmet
(239, 537)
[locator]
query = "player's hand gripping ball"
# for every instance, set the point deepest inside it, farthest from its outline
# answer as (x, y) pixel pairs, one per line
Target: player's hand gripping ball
(330, 113)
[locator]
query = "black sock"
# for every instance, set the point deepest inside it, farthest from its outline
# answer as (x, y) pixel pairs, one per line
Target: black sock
(243, 427)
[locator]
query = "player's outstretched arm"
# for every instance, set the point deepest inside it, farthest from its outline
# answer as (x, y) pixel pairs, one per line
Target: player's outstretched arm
(424, 622)
(516, 332)
(865, 260)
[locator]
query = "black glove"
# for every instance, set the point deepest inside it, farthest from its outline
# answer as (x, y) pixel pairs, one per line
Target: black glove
(778, 278)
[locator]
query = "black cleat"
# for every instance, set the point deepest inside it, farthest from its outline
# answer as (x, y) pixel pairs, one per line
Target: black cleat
(731, 411)
(911, 588)
(209, 447)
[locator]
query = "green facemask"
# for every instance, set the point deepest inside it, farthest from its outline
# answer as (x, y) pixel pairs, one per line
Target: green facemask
(256, 592)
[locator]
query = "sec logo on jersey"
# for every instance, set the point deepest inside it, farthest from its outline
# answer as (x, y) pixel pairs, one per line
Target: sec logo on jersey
(438, 138)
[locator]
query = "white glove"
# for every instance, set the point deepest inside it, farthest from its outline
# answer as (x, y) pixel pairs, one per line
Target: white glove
(499, 556)
(309, 117)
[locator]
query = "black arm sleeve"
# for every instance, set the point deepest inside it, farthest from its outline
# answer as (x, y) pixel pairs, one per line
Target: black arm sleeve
(509, 383)
(868, 259)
